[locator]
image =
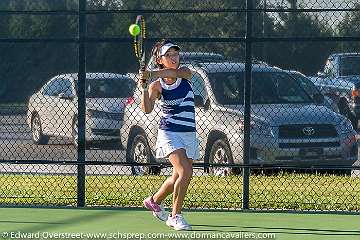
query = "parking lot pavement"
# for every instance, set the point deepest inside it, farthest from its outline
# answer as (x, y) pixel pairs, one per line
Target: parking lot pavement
(16, 144)
(59, 169)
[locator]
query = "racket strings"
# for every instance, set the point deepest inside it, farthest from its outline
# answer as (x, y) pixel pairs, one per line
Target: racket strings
(137, 49)
(138, 41)
(143, 28)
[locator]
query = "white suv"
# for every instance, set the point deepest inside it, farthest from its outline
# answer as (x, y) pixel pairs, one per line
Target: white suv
(52, 111)
(288, 127)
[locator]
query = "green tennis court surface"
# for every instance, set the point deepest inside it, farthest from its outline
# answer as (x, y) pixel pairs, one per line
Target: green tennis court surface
(41, 223)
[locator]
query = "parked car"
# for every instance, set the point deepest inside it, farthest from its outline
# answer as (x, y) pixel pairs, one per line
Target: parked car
(201, 57)
(287, 126)
(314, 91)
(52, 111)
(340, 80)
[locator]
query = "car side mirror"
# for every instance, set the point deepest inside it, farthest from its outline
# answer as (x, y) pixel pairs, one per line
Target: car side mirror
(198, 101)
(321, 74)
(319, 98)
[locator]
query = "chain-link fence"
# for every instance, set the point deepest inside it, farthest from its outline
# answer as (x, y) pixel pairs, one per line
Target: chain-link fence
(276, 87)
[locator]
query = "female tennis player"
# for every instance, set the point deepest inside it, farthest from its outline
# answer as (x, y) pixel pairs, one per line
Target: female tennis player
(176, 138)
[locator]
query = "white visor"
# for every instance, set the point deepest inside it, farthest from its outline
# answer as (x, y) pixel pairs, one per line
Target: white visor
(166, 47)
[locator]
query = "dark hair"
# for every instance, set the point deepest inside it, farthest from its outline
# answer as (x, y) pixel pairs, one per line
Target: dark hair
(155, 51)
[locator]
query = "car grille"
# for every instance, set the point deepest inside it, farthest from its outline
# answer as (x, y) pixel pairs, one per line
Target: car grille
(106, 132)
(114, 116)
(309, 145)
(296, 131)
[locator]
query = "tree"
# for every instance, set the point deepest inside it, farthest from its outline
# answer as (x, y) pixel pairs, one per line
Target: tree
(32, 64)
(29, 65)
(350, 27)
(306, 57)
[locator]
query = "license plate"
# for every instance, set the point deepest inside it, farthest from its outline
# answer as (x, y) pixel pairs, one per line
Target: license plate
(308, 152)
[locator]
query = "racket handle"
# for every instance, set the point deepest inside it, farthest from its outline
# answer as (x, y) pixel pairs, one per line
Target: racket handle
(142, 68)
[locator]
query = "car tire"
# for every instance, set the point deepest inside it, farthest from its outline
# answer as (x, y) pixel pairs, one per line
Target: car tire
(75, 135)
(138, 151)
(37, 132)
(220, 153)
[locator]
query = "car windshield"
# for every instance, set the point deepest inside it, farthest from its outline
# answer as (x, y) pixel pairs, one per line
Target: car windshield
(200, 57)
(306, 84)
(267, 88)
(109, 88)
(350, 65)
(186, 57)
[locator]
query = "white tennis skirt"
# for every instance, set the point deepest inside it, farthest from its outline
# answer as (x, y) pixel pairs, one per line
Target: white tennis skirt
(167, 142)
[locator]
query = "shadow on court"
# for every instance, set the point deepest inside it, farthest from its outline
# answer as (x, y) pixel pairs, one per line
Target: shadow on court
(31, 222)
(46, 226)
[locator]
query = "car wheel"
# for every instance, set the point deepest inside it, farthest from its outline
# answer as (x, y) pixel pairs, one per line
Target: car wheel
(37, 133)
(75, 134)
(220, 153)
(138, 151)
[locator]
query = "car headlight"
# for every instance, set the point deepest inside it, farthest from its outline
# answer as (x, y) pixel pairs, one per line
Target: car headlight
(96, 114)
(346, 126)
(259, 128)
(263, 129)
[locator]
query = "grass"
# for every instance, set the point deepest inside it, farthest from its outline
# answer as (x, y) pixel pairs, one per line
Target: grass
(283, 191)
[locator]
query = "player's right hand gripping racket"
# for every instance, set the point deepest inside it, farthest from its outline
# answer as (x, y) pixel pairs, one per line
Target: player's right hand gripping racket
(139, 45)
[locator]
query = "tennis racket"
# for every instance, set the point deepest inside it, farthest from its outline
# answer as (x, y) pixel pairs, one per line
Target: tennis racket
(139, 44)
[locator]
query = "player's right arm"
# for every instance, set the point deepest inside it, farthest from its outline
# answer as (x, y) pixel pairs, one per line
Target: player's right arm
(149, 96)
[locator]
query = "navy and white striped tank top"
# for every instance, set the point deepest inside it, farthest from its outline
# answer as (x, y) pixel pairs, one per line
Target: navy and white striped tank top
(177, 103)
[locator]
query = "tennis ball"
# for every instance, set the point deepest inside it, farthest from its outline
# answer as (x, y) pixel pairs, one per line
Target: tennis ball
(134, 29)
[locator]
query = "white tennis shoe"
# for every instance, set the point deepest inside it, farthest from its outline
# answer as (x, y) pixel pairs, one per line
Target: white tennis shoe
(178, 222)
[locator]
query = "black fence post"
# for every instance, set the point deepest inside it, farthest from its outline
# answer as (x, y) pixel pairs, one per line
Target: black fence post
(247, 103)
(81, 106)
(264, 57)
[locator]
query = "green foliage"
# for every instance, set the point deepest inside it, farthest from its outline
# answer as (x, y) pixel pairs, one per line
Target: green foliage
(350, 27)
(30, 65)
(307, 57)
(283, 191)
